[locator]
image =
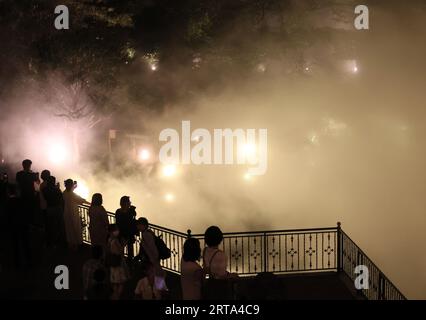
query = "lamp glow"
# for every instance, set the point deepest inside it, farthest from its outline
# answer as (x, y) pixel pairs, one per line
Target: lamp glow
(57, 153)
(169, 197)
(169, 170)
(82, 189)
(144, 155)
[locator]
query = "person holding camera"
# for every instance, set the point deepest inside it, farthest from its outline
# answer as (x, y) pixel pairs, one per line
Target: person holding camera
(125, 219)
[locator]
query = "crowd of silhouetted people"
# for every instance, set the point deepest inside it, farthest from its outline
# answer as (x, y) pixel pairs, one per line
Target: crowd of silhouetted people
(38, 200)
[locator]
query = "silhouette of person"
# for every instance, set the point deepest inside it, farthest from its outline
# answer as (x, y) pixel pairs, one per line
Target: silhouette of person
(90, 266)
(98, 227)
(19, 225)
(125, 220)
(148, 247)
(45, 174)
(192, 274)
(73, 227)
(26, 180)
(54, 212)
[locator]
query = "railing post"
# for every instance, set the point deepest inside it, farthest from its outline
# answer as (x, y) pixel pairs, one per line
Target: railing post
(381, 293)
(339, 248)
(265, 253)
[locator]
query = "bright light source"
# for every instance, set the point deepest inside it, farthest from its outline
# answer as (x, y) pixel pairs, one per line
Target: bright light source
(82, 189)
(248, 177)
(144, 155)
(351, 66)
(57, 153)
(261, 67)
(169, 170)
(248, 150)
(169, 197)
(153, 67)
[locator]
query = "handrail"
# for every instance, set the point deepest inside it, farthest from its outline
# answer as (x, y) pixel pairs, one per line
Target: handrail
(280, 252)
(381, 288)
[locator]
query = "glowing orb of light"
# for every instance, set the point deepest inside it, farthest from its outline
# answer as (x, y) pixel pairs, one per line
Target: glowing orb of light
(261, 68)
(169, 197)
(248, 177)
(144, 155)
(57, 153)
(153, 67)
(248, 150)
(169, 170)
(355, 69)
(82, 189)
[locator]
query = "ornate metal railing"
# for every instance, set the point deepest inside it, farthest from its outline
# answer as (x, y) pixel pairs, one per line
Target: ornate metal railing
(280, 252)
(283, 251)
(380, 287)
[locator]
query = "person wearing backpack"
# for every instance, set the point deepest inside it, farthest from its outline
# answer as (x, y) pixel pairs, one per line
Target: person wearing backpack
(149, 249)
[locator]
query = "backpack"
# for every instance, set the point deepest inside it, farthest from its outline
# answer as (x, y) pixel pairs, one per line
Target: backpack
(163, 251)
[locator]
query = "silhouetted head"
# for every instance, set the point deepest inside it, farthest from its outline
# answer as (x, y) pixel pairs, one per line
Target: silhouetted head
(51, 181)
(45, 174)
(26, 164)
(125, 202)
(97, 252)
(191, 250)
(97, 199)
(213, 236)
(69, 184)
(142, 224)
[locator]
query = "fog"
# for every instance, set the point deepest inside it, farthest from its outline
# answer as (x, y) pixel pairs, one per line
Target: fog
(342, 146)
